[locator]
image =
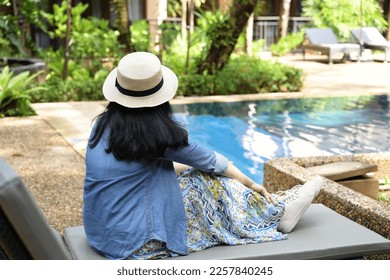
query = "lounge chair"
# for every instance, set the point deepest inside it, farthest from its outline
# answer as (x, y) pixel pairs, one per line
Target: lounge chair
(321, 234)
(373, 40)
(325, 41)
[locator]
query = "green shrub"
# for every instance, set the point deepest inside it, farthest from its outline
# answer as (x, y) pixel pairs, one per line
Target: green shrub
(240, 75)
(195, 84)
(243, 75)
(80, 87)
(58, 90)
(15, 93)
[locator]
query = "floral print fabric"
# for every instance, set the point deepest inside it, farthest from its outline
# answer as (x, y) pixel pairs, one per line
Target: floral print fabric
(220, 210)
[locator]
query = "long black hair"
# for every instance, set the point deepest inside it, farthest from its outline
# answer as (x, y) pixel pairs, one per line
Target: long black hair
(139, 133)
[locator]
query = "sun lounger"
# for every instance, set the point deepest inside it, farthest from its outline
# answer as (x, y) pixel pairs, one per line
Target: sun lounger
(372, 39)
(321, 234)
(325, 41)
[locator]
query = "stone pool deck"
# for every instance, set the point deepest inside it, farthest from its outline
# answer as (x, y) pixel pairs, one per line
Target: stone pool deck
(47, 150)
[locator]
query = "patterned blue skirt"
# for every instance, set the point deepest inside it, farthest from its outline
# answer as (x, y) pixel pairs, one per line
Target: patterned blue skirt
(220, 210)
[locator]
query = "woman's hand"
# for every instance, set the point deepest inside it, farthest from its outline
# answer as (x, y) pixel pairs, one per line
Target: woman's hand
(235, 173)
(261, 190)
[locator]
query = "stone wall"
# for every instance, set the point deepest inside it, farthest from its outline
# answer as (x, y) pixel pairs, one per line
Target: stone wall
(284, 173)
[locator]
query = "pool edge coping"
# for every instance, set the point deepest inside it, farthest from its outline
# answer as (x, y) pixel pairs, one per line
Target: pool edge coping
(178, 100)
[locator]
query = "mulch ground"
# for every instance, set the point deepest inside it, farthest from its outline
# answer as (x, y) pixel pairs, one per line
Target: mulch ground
(52, 170)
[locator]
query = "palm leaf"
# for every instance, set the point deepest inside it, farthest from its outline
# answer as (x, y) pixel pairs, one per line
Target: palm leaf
(16, 88)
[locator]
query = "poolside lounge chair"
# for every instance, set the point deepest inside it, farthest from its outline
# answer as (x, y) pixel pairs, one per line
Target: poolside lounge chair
(325, 41)
(373, 40)
(321, 234)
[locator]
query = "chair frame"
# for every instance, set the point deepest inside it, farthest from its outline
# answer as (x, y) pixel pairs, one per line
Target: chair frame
(328, 47)
(367, 44)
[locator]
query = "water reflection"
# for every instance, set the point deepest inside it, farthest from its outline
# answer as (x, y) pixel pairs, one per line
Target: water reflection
(250, 133)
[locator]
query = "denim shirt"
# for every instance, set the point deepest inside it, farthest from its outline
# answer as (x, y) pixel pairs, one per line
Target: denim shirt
(128, 203)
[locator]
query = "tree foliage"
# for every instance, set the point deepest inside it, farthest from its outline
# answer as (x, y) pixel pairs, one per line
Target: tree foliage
(342, 15)
(91, 38)
(15, 39)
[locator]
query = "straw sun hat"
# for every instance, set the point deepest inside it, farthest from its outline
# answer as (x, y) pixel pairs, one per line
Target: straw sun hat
(140, 81)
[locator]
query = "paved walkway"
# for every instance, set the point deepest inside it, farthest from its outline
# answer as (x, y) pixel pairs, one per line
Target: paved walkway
(342, 78)
(73, 119)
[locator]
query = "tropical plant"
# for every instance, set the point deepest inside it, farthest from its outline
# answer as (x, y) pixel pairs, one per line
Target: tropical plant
(15, 92)
(342, 15)
(287, 43)
(92, 38)
(141, 38)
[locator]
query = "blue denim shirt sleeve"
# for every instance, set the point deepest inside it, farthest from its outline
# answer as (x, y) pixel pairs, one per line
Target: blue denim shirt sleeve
(199, 157)
(221, 163)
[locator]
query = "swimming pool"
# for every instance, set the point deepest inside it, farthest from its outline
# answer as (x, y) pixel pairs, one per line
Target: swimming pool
(250, 133)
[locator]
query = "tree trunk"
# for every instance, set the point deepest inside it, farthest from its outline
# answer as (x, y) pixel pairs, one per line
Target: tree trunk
(24, 26)
(190, 30)
(226, 36)
(67, 39)
(388, 24)
(249, 35)
(284, 18)
(184, 20)
(119, 8)
(156, 14)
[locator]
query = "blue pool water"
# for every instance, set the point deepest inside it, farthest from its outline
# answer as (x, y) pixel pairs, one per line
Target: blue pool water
(252, 132)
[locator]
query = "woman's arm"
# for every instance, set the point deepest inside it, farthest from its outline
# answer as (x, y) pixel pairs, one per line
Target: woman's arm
(209, 161)
(234, 173)
(179, 167)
